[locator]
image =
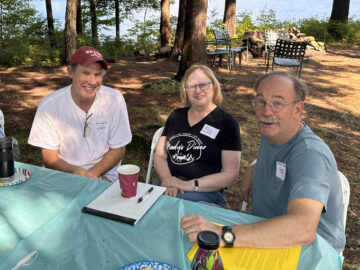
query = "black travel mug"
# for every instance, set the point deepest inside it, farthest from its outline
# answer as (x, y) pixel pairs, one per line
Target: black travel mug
(6, 158)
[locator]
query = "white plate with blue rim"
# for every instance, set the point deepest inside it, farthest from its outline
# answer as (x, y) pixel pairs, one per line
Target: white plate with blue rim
(150, 264)
(20, 176)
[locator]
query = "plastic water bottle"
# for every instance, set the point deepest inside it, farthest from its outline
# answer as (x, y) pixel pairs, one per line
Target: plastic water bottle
(207, 256)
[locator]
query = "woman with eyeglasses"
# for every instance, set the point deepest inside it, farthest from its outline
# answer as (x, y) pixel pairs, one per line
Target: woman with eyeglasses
(198, 154)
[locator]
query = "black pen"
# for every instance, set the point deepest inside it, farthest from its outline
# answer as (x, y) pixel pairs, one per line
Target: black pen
(145, 194)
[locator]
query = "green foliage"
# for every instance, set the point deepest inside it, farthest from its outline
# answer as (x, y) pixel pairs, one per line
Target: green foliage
(214, 24)
(114, 48)
(173, 25)
(266, 19)
(353, 35)
(314, 27)
(23, 38)
(332, 32)
(244, 24)
(16, 17)
(146, 33)
(24, 53)
(163, 86)
(337, 30)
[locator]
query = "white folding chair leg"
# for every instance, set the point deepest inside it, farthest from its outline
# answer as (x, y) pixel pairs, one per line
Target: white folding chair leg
(2, 122)
(345, 186)
(148, 173)
(243, 206)
(154, 143)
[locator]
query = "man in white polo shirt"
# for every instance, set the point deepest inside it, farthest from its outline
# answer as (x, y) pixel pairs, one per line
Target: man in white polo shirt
(83, 128)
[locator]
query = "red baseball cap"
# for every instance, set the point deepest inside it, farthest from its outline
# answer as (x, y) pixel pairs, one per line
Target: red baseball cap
(87, 55)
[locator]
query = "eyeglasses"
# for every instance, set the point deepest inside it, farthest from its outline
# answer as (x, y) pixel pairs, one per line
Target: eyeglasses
(87, 129)
(275, 106)
(202, 86)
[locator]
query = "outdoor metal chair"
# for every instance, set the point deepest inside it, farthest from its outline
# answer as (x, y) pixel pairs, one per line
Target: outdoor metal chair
(270, 41)
(289, 54)
(154, 144)
(217, 52)
(224, 46)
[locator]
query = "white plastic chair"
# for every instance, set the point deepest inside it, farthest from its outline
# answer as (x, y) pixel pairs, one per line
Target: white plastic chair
(244, 203)
(154, 143)
(345, 187)
(2, 123)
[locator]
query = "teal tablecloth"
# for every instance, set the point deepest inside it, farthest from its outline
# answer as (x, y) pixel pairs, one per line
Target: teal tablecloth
(44, 214)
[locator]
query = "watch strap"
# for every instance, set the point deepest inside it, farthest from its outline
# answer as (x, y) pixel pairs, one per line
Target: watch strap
(196, 181)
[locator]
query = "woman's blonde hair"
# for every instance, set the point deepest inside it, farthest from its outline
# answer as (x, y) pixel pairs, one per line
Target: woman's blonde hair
(217, 98)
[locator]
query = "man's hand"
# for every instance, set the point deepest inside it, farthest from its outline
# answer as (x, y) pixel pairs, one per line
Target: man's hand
(83, 172)
(192, 225)
(51, 160)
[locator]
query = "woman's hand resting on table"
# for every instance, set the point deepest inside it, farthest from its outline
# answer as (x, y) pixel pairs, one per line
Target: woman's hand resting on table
(171, 186)
(173, 191)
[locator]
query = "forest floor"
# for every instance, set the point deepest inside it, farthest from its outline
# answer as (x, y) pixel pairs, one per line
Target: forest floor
(332, 110)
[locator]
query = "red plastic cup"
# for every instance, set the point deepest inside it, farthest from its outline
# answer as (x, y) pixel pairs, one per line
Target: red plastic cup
(128, 178)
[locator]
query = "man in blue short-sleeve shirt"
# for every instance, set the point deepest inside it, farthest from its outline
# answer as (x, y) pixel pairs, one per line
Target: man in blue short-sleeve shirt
(295, 184)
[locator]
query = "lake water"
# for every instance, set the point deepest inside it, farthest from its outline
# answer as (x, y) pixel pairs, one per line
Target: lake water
(284, 9)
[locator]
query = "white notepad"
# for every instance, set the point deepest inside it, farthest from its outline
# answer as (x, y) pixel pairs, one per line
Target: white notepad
(110, 204)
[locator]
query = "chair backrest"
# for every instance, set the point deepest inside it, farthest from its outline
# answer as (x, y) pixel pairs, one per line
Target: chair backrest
(283, 34)
(154, 143)
(222, 37)
(345, 187)
(272, 35)
(290, 49)
(221, 34)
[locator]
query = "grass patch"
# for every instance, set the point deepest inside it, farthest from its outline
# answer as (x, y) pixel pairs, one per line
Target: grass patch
(163, 86)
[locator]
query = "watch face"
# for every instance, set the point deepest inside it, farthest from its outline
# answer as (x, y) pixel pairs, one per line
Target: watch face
(228, 237)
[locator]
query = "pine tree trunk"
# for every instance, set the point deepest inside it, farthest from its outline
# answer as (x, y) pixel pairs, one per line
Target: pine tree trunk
(194, 37)
(94, 32)
(165, 23)
(337, 26)
(70, 29)
(50, 21)
(340, 11)
(79, 29)
(230, 16)
(180, 29)
(117, 19)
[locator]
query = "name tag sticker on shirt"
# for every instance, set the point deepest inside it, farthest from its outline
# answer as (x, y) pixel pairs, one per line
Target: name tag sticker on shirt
(101, 125)
(209, 131)
(280, 170)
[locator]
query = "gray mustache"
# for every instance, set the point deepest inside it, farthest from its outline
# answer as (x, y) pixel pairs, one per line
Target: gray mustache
(268, 120)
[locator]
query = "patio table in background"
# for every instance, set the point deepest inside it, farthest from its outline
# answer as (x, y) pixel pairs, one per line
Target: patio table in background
(44, 214)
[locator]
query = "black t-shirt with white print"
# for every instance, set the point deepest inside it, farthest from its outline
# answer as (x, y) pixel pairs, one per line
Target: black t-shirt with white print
(195, 151)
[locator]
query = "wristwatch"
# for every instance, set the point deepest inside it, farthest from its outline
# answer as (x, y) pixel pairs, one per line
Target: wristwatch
(196, 185)
(228, 236)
